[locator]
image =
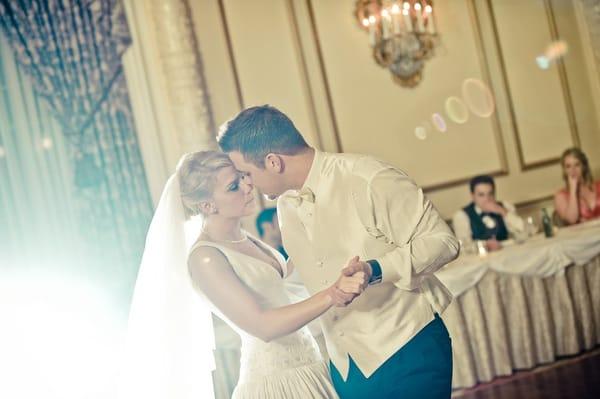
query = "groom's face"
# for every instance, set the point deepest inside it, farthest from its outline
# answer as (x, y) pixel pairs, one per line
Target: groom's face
(268, 180)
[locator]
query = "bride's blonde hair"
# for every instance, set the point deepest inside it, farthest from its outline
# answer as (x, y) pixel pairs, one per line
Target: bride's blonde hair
(197, 173)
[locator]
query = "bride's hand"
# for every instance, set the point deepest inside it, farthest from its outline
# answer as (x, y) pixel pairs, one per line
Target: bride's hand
(346, 289)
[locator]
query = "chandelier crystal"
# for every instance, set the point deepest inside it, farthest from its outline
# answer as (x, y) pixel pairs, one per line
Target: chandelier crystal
(402, 35)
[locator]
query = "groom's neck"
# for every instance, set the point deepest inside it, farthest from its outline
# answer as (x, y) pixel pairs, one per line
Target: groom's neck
(298, 167)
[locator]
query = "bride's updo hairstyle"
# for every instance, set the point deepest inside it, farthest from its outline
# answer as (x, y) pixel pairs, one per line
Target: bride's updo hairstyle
(197, 172)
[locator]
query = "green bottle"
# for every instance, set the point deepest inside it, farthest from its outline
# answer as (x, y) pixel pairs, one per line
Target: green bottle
(547, 223)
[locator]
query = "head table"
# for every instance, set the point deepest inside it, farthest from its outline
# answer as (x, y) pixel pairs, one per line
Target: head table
(524, 305)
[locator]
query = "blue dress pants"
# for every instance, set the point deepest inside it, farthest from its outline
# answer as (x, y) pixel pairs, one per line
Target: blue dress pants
(421, 369)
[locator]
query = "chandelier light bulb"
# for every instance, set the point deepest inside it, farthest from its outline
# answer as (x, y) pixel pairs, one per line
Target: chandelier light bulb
(372, 19)
(418, 6)
(365, 22)
(385, 13)
(406, 5)
(428, 9)
(395, 9)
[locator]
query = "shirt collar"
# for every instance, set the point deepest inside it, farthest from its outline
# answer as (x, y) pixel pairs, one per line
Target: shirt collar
(314, 175)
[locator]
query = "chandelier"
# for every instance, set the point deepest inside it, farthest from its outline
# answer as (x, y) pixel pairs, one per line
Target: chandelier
(402, 35)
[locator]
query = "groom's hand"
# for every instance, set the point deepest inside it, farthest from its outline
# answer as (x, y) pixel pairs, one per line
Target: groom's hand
(359, 269)
(348, 286)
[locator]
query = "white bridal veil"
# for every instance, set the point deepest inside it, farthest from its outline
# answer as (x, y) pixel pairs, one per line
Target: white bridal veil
(168, 352)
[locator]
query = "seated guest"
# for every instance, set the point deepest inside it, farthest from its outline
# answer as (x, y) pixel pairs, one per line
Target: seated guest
(485, 218)
(267, 225)
(580, 199)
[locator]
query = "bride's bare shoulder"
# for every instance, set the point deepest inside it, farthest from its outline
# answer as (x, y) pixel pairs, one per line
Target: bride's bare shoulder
(206, 256)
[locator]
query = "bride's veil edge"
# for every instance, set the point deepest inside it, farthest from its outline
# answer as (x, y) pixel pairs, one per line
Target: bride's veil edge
(168, 351)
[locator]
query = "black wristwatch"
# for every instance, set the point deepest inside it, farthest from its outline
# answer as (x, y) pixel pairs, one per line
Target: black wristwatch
(376, 275)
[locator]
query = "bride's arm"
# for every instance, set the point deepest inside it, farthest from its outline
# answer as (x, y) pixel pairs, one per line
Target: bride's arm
(214, 276)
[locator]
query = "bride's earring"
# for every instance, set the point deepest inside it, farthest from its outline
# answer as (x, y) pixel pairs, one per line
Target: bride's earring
(207, 208)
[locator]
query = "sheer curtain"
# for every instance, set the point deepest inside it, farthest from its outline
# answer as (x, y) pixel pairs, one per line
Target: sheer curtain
(74, 202)
(59, 328)
(38, 219)
(71, 53)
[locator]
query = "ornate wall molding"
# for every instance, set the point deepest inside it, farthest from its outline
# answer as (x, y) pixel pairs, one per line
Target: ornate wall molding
(184, 77)
(564, 83)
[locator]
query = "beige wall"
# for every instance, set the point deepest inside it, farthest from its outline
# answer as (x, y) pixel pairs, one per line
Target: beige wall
(310, 59)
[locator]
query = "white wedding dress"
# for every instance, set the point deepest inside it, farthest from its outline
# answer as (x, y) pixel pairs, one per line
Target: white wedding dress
(289, 367)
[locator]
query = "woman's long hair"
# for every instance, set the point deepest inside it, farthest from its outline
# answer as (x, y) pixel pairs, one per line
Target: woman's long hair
(586, 172)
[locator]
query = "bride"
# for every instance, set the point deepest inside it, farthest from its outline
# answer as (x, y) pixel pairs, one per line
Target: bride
(188, 271)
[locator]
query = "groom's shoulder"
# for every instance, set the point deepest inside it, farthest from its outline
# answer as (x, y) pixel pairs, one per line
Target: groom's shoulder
(352, 163)
(357, 167)
(364, 166)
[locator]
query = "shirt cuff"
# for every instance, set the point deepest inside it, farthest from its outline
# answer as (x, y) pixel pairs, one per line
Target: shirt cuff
(396, 266)
(376, 275)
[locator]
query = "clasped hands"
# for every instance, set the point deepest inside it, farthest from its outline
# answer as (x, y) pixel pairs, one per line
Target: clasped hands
(352, 282)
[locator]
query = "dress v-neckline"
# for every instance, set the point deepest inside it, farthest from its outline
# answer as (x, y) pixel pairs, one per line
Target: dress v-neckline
(282, 273)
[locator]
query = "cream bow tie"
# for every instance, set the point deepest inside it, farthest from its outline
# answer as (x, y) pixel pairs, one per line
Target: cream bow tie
(305, 194)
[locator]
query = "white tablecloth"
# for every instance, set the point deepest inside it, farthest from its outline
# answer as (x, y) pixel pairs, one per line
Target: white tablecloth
(524, 305)
(537, 257)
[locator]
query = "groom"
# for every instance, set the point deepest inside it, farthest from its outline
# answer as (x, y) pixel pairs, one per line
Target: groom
(390, 342)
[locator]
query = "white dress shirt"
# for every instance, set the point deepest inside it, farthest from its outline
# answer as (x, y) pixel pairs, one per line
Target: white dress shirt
(462, 224)
(361, 206)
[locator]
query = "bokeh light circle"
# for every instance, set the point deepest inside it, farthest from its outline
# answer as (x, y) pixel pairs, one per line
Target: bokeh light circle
(47, 143)
(478, 97)
(421, 132)
(554, 51)
(456, 110)
(542, 61)
(439, 122)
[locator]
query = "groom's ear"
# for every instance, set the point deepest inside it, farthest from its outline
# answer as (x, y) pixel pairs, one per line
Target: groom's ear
(274, 163)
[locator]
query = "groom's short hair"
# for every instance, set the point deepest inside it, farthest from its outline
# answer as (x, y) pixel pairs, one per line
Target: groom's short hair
(258, 131)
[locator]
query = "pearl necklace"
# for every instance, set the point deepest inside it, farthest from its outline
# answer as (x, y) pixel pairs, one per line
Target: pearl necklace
(236, 241)
(244, 238)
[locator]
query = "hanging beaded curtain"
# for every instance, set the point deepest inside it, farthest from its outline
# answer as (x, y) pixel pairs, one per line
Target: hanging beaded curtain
(71, 51)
